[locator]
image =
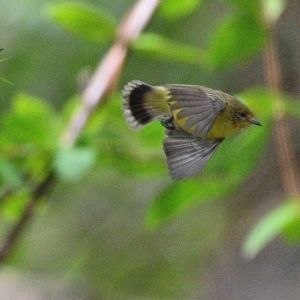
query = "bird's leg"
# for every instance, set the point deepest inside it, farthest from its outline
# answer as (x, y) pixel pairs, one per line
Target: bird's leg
(167, 122)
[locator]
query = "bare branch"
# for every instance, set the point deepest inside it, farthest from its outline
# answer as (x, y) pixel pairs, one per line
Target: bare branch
(286, 153)
(107, 74)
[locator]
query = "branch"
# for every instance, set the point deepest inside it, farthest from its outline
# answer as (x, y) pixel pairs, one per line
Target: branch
(12, 236)
(103, 82)
(107, 74)
(286, 153)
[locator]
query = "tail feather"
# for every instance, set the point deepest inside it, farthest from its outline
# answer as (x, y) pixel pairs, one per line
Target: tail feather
(137, 111)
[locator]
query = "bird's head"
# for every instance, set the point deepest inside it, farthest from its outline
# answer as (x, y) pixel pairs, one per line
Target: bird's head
(242, 116)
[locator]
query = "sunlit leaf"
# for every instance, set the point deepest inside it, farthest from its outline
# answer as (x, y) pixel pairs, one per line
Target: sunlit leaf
(269, 227)
(273, 9)
(90, 23)
(163, 48)
(74, 163)
(175, 9)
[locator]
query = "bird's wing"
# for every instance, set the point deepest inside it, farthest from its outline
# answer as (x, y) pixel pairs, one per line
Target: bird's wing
(200, 105)
(187, 156)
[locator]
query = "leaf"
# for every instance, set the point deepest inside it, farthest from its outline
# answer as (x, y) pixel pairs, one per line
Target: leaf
(269, 227)
(292, 232)
(85, 21)
(163, 48)
(236, 40)
(250, 7)
(273, 9)
(74, 163)
(181, 195)
(172, 200)
(31, 122)
(176, 9)
(14, 204)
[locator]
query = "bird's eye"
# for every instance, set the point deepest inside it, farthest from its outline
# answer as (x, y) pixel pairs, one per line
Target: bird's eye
(243, 115)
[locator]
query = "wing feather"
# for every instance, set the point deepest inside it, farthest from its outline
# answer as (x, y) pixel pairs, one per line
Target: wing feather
(200, 105)
(187, 156)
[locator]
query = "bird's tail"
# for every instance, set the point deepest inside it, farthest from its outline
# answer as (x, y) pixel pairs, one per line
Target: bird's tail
(143, 103)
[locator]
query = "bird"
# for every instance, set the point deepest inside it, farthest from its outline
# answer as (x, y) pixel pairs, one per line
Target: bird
(196, 118)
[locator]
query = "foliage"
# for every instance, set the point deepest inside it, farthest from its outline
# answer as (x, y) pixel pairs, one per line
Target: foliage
(284, 219)
(30, 145)
(85, 21)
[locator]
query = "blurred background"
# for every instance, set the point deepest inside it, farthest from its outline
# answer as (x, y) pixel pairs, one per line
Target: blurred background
(124, 230)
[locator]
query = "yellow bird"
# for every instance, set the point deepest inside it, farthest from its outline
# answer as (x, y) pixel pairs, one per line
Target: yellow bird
(197, 119)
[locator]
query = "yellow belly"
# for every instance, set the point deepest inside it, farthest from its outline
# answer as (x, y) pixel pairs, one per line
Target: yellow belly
(221, 128)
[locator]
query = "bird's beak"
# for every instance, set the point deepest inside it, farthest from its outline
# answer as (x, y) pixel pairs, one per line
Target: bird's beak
(255, 122)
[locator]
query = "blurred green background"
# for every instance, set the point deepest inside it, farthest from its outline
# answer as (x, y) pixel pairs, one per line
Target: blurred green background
(115, 226)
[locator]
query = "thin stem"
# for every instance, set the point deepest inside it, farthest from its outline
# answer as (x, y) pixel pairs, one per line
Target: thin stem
(108, 72)
(16, 230)
(286, 154)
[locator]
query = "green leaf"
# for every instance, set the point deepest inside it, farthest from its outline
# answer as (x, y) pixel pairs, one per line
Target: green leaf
(237, 39)
(172, 200)
(90, 23)
(30, 123)
(14, 204)
(161, 47)
(250, 7)
(292, 232)
(175, 9)
(269, 227)
(74, 163)
(181, 195)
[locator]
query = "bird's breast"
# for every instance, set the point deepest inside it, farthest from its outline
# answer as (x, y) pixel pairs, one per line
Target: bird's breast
(222, 127)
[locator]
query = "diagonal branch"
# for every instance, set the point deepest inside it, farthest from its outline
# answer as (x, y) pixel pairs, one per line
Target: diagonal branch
(102, 83)
(41, 190)
(107, 74)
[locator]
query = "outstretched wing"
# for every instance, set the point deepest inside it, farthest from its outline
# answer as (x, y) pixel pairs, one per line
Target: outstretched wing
(199, 105)
(187, 156)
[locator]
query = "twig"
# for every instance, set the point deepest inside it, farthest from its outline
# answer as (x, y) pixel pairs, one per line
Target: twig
(102, 83)
(286, 154)
(16, 230)
(106, 76)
